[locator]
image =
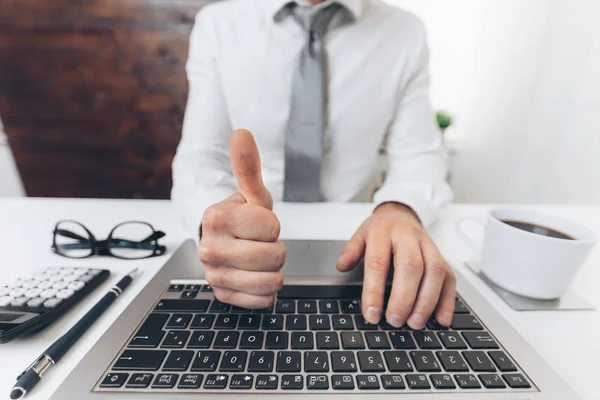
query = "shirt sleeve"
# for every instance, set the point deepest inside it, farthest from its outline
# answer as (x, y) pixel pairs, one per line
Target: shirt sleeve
(202, 172)
(416, 158)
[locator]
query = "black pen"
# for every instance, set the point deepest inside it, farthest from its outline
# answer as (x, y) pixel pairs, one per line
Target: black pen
(32, 375)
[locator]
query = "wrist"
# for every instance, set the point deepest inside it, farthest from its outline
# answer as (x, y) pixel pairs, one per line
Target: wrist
(396, 209)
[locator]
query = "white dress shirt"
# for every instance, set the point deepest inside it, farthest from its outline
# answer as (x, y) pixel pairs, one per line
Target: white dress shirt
(240, 67)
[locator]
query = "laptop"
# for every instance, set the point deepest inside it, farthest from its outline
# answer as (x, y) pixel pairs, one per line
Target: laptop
(177, 341)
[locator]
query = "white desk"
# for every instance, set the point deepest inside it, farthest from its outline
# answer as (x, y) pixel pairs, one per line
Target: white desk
(567, 340)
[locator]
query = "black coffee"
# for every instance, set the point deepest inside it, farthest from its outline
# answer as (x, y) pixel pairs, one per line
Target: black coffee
(540, 230)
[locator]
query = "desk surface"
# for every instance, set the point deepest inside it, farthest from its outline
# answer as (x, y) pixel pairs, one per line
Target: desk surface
(568, 340)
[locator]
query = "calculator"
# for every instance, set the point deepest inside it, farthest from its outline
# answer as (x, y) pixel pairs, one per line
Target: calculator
(29, 305)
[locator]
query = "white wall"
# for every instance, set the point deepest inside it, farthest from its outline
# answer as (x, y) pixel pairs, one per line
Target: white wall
(521, 77)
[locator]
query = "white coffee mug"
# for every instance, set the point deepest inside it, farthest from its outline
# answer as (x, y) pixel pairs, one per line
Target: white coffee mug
(526, 263)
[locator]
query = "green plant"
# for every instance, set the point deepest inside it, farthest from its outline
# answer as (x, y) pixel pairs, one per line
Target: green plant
(443, 120)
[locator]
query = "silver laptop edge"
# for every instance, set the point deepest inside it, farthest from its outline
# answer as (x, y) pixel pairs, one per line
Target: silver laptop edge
(184, 265)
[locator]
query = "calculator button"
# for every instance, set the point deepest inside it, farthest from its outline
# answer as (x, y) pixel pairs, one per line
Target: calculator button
(53, 278)
(70, 278)
(19, 302)
(48, 293)
(66, 270)
(80, 271)
(17, 292)
(31, 293)
(76, 285)
(44, 285)
(16, 283)
(31, 283)
(51, 303)
(4, 290)
(5, 300)
(35, 302)
(65, 294)
(85, 278)
(114, 380)
(94, 272)
(58, 285)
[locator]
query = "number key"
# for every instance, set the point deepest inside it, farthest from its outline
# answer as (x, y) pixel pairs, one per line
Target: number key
(233, 361)
(425, 361)
(201, 340)
(261, 361)
(370, 361)
(206, 361)
(343, 361)
(397, 361)
(288, 361)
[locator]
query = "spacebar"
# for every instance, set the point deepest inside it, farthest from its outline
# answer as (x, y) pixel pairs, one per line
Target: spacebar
(141, 360)
(320, 292)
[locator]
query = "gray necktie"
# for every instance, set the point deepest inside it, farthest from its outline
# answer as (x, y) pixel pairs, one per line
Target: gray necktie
(306, 125)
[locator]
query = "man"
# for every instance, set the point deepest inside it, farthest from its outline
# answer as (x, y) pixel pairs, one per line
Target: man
(323, 86)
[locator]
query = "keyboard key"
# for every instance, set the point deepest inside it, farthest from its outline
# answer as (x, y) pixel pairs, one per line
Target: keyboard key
(452, 340)
(307, 307)
(165, 381)
(179, 321)
(175, 288)
(352, 340)
(285, 307)
(367, 382)
(292, 382)
(141, 381)
(479, 361)
(402, 340)
(272, 322)
(226, 321)
(201, 339)
(363, 325)
(350, 306)
(460, 308)
(295, 322)
(392, 382)
(206, 289)
(417, 381)
(516, 381)
(385, 326)
(175, 339)
(465, 322)
(480, 340)
(190, 381)
(239, 310)
(397, 361)
(467, 381)
(252, 340)
(328, 307)
(289, 361)
(182, 305)
(327, 341)
(233, 361)
(250, 321)
(491, 381)
(502, 361)
(216, 381)
(342, 382)
(427, 340)
(149, 339)
(425, 361)
(319, 322)
(261, 361)
(342, 322)
(113, 380)
(317, 382)
(178, 360)
(302, 341)
(343, 361)
(377, 340)
(141, 360)
(370, 361)
(241, 381)
(189, 294)
(276, 340)
(442, 381)
(270, 382)
(226, 340)
(202, 321)
(218, 307)
(192, 287)
(268, 310)
(316, 361)
(206, 361)
(433, 325)
(452, 361)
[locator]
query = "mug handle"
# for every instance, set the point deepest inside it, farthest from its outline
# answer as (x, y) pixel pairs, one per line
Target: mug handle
(475, 244)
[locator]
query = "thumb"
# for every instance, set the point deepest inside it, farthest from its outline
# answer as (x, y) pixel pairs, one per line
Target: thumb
(245, 162)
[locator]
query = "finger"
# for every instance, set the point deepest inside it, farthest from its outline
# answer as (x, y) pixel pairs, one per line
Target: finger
(244, 300)
(252, 222)
(246, 255)
(377, 265)
(408, 269)
(239, 280)
(352, 252)
(245, 161)
(445, 307)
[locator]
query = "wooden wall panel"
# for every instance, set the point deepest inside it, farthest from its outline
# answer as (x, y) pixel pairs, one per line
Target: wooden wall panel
(92, 93)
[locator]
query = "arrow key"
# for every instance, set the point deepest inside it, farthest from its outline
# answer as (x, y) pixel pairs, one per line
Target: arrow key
(241, 381)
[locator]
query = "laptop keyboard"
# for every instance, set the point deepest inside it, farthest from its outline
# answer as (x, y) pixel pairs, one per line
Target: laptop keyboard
(190, 341)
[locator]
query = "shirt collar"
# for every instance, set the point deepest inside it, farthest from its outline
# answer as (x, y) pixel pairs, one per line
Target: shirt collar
(274, 7)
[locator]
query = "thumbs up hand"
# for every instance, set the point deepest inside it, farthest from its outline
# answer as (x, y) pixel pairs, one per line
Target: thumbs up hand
(239, 246)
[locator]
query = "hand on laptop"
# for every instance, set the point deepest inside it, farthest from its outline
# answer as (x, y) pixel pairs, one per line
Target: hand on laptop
(239, 246)
(423, 281)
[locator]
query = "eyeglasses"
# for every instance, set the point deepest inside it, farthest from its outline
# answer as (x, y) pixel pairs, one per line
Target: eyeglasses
(131, 240)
